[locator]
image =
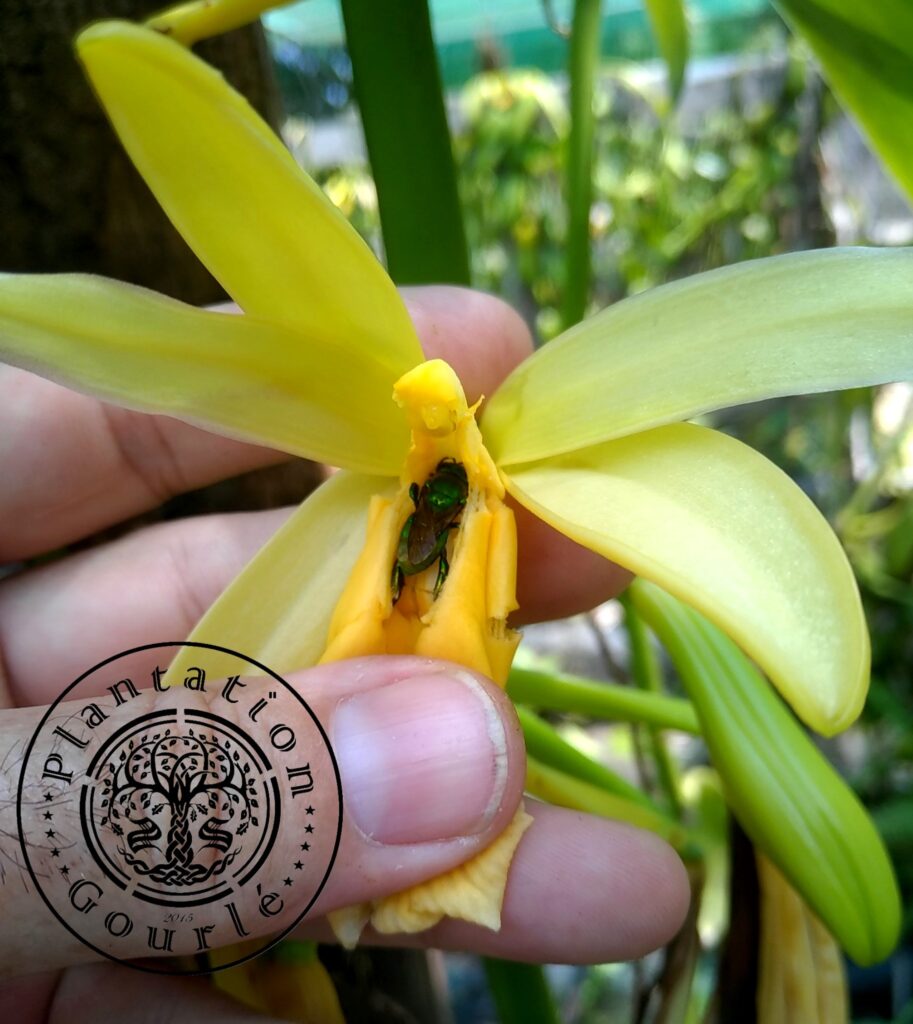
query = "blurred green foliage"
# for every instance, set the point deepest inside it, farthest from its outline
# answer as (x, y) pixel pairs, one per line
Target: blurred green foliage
(666, 203)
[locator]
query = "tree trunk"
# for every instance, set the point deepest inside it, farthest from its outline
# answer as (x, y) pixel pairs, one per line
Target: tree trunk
(70, 200)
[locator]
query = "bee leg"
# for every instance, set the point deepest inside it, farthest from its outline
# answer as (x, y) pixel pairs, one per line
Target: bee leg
(442, 569)
(397, 582)
(414, 494)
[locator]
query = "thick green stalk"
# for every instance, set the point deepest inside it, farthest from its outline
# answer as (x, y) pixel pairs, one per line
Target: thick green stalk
(556, 691)
(583, 61)
(520, 992)
(646, 674)
(544, 743)
(398, 86)
(564, 790)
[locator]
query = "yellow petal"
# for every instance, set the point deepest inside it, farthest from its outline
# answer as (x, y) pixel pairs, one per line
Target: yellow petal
(200, 19)
(719, 526)
(239, 375)
(830, 973)
(800, 972)
(807, 322)
(278, 609)
(473, 892)
(264, 229)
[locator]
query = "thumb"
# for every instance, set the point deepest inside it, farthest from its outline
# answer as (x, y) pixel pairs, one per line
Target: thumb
(432, 765)
(176, 821)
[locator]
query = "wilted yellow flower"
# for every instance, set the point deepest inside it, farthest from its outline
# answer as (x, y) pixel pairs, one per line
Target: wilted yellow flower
(802, 979)
(584, 433)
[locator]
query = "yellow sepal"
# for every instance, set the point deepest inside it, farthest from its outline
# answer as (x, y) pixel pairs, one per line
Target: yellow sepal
(263, 228)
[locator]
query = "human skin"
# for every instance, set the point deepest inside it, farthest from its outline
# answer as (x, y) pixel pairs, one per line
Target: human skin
(581, 889)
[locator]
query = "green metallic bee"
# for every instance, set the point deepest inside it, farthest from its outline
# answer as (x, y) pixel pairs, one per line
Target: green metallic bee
(423, 539)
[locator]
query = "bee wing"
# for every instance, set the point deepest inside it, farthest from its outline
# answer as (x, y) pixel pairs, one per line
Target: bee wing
(422, 536)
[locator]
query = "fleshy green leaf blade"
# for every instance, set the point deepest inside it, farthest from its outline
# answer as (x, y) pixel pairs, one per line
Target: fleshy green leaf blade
(667, 19)
(722, 528)
(787, 797)
(795, 324)
(410, 153)
(265, 230)
(241, 376)
(583, 61)
(278, 609)
(866, 50)
(520, 992)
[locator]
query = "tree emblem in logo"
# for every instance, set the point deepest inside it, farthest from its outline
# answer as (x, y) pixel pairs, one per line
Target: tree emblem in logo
(149, 815)
(174, 803)
(190, 796)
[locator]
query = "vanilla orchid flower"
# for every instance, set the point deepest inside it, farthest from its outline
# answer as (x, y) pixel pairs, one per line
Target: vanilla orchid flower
(590, 433)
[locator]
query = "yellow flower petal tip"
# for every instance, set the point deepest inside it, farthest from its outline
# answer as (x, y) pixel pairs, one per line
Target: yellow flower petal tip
(472, 892)
(116, 37)
(433, 398)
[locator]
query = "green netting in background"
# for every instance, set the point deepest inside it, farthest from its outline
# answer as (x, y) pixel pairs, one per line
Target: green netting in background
(516, 32)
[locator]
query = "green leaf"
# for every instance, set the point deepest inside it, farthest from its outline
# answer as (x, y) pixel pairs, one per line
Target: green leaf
(866, 50)
(398, 85)
(583, 61)
(667, 18)
(806, 322)
(785, 794)
(520, 992)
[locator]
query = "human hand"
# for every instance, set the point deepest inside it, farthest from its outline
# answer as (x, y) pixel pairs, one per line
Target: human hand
(581, 889)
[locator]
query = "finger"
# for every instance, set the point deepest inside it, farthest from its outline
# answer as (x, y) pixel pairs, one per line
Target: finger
(431, 764)
(148, 587)
(155, 584)
(557, 577)
(72, 464)
(107, 992)
(480, 336)
(581, 890)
